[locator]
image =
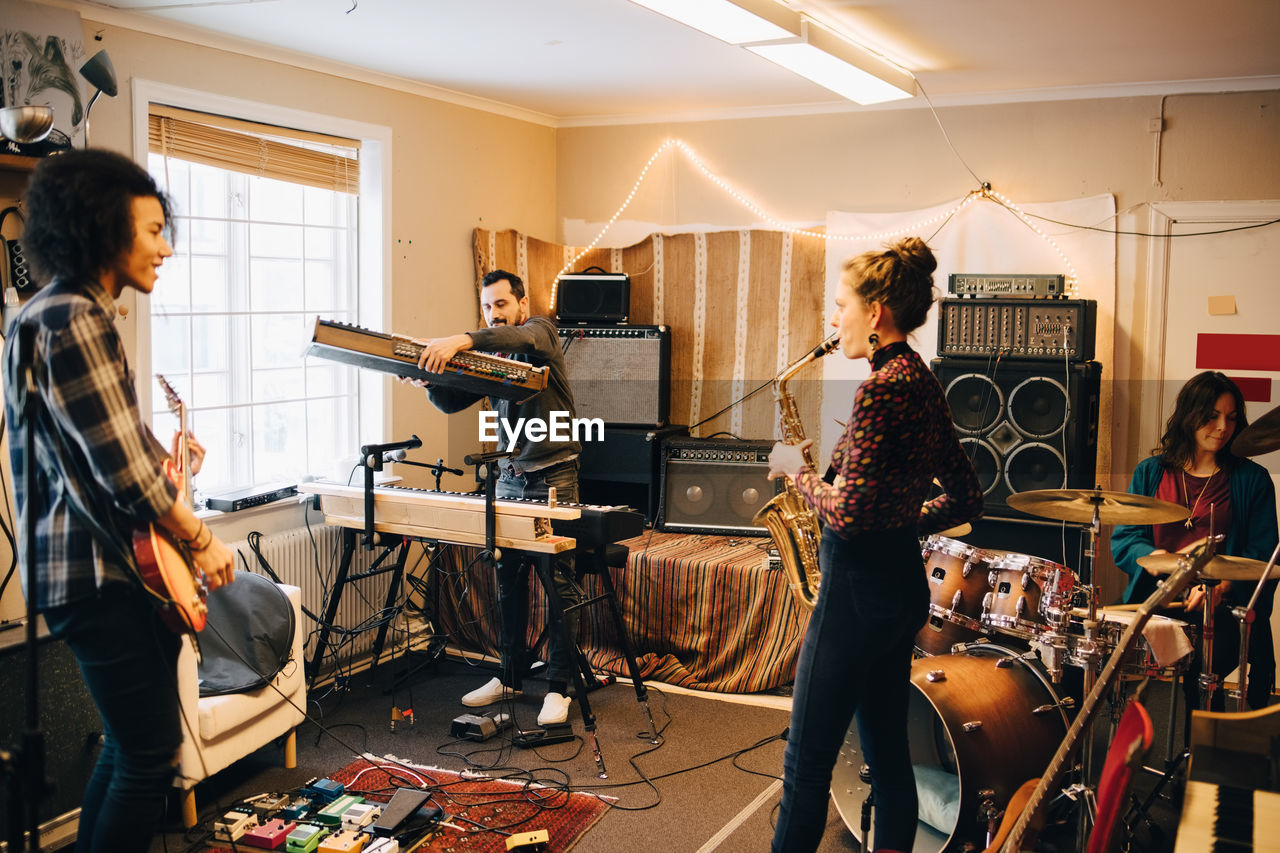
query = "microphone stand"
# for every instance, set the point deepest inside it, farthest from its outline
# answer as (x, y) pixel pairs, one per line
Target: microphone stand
(487, 473)
(25, 766)
(371, 459)
(438, 468)
(1246, 616)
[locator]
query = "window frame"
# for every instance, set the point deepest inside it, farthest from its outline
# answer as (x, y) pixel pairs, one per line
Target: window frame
(373, 285)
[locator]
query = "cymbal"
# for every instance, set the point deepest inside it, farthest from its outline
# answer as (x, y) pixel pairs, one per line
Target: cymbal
(1113, 507)
(957, 531)
(1220, 566)
(1261, 436)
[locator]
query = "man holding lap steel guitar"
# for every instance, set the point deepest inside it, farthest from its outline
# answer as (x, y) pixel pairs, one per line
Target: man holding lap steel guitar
(96, 224)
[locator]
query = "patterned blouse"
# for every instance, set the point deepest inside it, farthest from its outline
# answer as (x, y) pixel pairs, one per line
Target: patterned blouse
(899, 438)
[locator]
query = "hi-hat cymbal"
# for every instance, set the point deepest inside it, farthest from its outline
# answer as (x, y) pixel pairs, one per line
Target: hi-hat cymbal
(1220, 566)
(1113, 507)
(957, 531)
(1261, 436)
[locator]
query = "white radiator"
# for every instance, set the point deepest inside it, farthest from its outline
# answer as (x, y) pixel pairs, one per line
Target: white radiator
(309, 560)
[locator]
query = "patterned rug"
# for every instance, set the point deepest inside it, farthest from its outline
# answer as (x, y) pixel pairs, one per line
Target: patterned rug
(482, 809)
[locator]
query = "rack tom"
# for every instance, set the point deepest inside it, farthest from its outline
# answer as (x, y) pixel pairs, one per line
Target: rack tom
(957, 575)
(1027, 595)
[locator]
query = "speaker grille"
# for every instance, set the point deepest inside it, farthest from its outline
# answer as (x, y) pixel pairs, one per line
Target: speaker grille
(1026, 426)
(715, 487)
(620, 374)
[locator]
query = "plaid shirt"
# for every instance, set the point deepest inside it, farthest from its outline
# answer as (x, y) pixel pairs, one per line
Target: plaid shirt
(90, 440)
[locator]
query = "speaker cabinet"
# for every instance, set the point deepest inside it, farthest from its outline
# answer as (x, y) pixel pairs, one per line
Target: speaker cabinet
(625, 468)
(715, 486)
(620, 374)
(586, 297)
(1025, 425)
(68, 717)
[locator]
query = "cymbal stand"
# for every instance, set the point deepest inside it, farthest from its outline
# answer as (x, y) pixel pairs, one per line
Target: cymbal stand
(1090, 642)
(1208, 678)
(1245, 616)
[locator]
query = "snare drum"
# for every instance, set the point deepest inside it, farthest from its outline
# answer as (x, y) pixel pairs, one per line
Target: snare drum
(1162, 650)
(957, 575)
(1028, 595)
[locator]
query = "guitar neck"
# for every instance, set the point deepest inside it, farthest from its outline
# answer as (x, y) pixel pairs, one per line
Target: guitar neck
(1084, 717)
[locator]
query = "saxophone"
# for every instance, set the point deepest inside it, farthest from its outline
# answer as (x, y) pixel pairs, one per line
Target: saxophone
(791, 522)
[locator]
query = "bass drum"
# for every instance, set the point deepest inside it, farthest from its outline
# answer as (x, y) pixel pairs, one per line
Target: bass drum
(976, 720)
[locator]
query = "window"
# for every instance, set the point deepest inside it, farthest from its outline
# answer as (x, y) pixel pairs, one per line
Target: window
(262, 248)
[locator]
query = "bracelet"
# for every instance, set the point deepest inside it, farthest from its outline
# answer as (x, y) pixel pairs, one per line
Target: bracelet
(191, 543)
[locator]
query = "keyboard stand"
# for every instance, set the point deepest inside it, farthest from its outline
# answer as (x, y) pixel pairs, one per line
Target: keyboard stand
(400, 547)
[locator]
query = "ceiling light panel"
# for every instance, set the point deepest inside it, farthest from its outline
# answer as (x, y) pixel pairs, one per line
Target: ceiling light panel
(830, 72)
(720, 18)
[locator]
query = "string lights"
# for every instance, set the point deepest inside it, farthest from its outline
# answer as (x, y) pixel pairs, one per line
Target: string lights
(916, 228)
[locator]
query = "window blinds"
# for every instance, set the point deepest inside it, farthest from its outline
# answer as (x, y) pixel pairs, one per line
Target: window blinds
(312, 159)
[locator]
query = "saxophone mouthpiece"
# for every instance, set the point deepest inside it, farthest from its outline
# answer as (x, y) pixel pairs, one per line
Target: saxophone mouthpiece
(825, 347)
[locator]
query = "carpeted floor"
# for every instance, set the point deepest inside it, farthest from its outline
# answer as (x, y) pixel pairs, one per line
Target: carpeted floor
(710, 784)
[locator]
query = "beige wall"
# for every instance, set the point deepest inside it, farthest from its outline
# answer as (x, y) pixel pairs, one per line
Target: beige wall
(1213, 147)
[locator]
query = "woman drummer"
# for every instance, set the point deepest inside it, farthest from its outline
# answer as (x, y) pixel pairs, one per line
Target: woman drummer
(1193, 466)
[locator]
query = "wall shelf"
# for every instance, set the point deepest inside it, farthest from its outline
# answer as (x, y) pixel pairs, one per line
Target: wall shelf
(18, 162)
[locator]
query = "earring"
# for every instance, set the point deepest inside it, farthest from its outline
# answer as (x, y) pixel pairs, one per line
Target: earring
(874, 341)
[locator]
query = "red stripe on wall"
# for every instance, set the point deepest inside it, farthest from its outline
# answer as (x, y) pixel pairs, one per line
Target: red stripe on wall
(1256, 389)
(1237, 352)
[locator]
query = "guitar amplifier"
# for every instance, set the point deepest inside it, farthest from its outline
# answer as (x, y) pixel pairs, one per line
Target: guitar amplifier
(715, 486)
(620, 374)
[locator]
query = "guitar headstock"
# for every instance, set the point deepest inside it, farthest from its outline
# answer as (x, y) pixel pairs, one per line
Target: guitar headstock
(170, 395)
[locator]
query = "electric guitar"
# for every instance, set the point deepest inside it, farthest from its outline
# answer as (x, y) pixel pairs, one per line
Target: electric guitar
(164, 562)
(1021, 818)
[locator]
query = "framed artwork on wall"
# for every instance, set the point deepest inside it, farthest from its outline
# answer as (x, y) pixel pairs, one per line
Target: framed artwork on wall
(41, 50)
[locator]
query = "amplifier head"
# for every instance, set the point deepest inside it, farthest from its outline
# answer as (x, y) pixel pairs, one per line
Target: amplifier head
(715, 486)
(587, 297)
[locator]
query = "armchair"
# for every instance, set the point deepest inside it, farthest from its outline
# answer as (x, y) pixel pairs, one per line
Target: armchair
(220, 730)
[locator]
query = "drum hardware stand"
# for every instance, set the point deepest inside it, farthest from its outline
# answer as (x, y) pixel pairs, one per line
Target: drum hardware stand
(1245, 616)
(989, 814)
(868, 805)
(1088, 814)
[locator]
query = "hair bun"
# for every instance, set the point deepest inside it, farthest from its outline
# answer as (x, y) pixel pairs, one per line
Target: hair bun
(915, 253)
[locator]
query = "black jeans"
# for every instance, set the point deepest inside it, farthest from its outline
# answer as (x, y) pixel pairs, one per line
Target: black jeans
(856, 660)
(513, 580)
(129, 662)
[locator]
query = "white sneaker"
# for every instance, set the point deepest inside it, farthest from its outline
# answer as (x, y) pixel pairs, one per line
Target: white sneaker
(493, 691)
(555, 709)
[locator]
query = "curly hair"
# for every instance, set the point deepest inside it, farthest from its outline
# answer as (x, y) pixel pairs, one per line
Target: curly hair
(1194, 408)
(517, 286)
(80, 212)
(900, 278)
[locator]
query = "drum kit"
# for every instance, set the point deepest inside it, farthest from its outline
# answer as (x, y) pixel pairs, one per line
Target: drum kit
(986, 711)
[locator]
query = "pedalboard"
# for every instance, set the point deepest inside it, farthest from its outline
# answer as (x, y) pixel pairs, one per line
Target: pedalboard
(1018, 328)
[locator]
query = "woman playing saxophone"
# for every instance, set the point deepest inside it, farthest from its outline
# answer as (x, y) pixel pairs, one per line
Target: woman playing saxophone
(873, 596)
